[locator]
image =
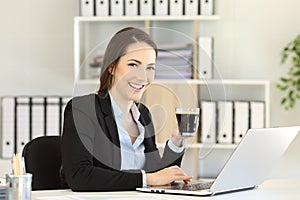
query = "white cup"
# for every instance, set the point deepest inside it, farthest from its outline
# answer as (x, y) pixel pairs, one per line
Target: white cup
(18, 187)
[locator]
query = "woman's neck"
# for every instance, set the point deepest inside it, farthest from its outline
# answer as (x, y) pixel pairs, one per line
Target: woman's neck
(124, 104)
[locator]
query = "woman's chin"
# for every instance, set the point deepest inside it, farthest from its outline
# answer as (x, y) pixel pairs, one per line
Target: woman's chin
(136, 97)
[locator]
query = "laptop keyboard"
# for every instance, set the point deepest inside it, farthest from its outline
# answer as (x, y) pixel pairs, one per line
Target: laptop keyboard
(193, 186)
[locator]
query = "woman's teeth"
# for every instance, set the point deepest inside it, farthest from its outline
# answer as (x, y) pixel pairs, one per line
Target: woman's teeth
(136, 86)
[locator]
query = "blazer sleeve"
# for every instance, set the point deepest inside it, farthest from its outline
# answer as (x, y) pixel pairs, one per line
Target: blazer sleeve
(81, 170)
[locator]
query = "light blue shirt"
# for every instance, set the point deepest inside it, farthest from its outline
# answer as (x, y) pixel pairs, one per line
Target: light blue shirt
(132, 155)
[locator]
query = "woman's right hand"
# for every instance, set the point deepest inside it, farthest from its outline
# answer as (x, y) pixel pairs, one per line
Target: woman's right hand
(167, 175)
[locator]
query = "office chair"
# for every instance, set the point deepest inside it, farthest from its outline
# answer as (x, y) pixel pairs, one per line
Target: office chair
(43, 160)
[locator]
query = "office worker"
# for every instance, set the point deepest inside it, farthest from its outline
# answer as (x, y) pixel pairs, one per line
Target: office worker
(108, 140)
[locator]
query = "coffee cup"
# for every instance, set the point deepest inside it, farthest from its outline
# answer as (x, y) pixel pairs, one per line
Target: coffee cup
(188, 121)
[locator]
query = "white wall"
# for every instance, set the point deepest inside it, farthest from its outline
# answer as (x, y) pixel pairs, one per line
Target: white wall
(36, 51)
(36, 46)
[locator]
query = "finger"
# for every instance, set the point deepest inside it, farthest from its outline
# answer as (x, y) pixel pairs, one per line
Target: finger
(182, 178)
(186, 181)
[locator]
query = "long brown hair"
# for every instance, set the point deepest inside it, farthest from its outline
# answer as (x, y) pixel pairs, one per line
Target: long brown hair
(116, 48)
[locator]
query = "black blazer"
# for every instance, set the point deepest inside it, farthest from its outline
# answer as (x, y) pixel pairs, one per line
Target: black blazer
(91, 155)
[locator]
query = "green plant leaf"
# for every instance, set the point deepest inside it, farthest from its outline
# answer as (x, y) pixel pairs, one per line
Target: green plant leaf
(283, 100)
(283, 79)
(290, 84)
(282, 87)
(292, 104)
(290, 95)
(296, 73)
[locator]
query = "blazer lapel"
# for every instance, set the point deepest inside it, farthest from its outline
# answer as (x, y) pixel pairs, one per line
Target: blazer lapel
(111, 129)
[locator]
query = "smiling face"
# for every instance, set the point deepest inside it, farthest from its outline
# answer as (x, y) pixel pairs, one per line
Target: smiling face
(134, 72)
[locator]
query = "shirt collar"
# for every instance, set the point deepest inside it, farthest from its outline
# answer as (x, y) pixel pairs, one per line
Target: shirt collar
(119, 114)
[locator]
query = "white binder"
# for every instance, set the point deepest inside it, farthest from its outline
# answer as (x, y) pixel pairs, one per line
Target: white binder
(131, 7)
(102, 7)
(38, 117)
(206, 7)
(225, 122)
(176, 7)
(161, 7)
(117, 7)
(205, 58)
(191, 7)
(23, 126)
(257, 114)
(52, 116)
(208, 122)
(8, 127)
(241, 120)
(146, 7)
(87, 8)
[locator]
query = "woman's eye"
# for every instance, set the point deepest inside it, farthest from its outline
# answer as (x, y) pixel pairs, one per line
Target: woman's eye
(132, 65)
(151, 68)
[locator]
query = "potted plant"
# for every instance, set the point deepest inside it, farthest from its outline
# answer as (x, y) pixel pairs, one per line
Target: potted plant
(290, 84)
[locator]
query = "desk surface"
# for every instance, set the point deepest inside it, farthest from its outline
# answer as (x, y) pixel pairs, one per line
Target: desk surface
(270, 189)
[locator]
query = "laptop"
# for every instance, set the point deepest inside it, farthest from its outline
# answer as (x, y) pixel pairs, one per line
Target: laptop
(247, 167)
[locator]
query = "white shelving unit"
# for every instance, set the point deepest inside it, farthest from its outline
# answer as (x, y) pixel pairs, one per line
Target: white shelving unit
(83, 25)
(91, 33)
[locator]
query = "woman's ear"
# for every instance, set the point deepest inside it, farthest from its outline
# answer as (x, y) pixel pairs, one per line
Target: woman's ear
(111, 71)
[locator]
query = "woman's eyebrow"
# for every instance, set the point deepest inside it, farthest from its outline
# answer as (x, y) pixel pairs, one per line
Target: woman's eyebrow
(137, 61)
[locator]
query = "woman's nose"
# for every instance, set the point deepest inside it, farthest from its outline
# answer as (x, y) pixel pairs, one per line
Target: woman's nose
(141, 73)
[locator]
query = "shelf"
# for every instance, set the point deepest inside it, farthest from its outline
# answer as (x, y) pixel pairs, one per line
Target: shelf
(147, 18)
(205, 146)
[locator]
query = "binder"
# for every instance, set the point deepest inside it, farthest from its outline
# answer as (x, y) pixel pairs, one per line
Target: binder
(23, 122)
(87, 8)
(191, 7)
(102, 7)
(176, 7)
(52, 116)
(257, 113)
(117, 7)
(241, 120)
(206, 7)
(8, 127)
(208, 122)
(146, 7)
(161, 7)
(37, 117)
(131, 7)
(225, 122)
(205, 58)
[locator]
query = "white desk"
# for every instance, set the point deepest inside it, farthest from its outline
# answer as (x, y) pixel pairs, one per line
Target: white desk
(271, 189)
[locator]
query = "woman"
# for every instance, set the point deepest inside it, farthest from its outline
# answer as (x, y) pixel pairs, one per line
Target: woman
(108, 140)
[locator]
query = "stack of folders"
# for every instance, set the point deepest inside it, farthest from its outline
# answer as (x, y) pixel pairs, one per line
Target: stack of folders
(226, 122)
(174, 62)
(146, 7)
(25, 118)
